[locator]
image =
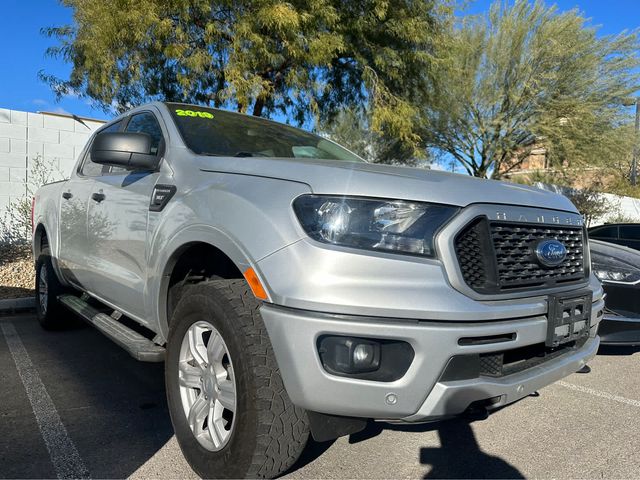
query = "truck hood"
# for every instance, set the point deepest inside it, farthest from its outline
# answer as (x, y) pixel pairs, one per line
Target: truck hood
(385, 181)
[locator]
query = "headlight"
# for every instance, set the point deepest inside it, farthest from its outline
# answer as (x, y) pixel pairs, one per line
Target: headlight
(609, 269)
(374, 224)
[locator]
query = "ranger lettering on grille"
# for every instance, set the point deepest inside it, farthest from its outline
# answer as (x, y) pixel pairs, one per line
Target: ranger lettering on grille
(540, 219)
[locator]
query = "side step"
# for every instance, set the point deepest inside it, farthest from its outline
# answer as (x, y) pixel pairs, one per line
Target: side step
(138, 346)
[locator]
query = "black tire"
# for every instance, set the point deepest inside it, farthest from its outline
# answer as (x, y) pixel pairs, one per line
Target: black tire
(50, 313)
(269, 432)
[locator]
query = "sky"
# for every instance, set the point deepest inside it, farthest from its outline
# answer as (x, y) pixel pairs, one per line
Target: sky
(22, 51)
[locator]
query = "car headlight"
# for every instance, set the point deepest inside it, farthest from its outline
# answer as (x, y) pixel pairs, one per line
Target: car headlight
(373, 224)
(609, 269)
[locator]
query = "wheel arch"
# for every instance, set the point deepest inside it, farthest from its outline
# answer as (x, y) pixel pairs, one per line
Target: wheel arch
(39, 235)
(216, 255)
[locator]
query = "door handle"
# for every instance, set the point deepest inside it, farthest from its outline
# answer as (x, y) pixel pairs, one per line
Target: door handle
(67, 195)
(98, 197)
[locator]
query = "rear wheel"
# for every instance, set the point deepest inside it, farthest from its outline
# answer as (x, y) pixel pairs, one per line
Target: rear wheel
(230, 411)
(50, 313)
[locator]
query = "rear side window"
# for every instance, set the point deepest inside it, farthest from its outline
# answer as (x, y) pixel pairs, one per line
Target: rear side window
(604, 232)
(630, 232)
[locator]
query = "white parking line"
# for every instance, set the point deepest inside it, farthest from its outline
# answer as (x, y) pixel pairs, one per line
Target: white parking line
(64, 455)
(598, 393)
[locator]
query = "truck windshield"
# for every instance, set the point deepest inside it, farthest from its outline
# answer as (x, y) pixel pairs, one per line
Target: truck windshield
(208, 131)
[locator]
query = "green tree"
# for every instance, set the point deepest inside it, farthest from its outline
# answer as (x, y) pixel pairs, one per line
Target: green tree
(352, 128)
(303, 58)
(524, 75)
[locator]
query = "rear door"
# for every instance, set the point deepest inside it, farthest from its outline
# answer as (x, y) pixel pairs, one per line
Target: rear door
(119, 253)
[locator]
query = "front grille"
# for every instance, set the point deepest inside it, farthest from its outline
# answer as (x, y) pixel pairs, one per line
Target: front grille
(498, 257)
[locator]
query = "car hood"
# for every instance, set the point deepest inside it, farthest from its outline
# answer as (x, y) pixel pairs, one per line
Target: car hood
(385, 181)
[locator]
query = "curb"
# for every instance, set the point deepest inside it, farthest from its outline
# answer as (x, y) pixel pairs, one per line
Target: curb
(13, 305)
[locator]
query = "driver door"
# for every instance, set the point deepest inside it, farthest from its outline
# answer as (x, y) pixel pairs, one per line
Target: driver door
(117, 226)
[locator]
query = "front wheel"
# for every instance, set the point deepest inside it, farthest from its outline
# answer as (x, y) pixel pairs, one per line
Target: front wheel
(230, 411)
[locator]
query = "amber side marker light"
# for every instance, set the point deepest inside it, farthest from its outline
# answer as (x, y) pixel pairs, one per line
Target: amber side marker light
(254, 283)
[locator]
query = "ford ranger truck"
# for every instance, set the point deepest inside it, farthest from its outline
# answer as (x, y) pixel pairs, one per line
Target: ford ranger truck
(292, 288)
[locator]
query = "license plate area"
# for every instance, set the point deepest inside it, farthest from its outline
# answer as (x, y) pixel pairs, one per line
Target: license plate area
(569, 318)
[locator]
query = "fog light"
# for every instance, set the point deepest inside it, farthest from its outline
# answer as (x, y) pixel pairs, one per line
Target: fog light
(349, 355)
(365, 358)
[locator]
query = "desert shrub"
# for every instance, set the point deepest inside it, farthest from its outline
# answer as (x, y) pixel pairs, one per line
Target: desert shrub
(15, 222)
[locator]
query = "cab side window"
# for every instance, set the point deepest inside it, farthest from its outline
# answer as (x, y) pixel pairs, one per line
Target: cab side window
(146, 122)
(90, 169)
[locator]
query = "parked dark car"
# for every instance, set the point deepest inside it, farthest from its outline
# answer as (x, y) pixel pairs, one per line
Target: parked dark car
(627, 234)
(618, 268)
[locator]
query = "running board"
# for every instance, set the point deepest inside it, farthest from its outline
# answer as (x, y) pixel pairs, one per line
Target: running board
(138, 346)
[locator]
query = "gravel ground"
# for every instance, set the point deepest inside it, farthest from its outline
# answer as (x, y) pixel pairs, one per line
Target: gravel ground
(16, 271)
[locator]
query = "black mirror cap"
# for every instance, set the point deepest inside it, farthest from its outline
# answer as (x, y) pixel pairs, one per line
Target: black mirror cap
(124, 149)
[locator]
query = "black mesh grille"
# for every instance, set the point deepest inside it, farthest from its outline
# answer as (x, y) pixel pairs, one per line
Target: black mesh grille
(470, 253)
(498, 257)
(491, 364)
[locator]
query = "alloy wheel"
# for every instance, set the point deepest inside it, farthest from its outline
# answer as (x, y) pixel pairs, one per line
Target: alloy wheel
(207, 385)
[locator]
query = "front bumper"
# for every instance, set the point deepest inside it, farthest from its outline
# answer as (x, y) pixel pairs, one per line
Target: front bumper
(418, 395)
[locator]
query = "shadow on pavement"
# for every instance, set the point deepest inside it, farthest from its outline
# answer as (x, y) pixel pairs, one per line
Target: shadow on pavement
(311, 452)
(459, 456)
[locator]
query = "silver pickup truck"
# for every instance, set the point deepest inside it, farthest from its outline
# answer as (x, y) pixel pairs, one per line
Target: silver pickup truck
(292, 288)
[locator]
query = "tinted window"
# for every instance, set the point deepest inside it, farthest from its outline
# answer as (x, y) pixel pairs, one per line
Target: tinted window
(146, 123)
(604, 232)
(630, 232)
(215, 132)
(90, 169)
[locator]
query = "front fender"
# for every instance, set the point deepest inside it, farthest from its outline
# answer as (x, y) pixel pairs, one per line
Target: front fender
(245, 217)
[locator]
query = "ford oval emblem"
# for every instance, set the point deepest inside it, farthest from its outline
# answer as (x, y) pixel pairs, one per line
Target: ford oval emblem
(551, 253)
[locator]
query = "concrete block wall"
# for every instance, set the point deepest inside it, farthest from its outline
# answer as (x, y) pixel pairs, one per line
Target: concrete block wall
(24, 136)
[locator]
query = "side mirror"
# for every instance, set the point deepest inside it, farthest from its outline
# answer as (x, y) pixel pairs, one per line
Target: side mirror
(124, 149)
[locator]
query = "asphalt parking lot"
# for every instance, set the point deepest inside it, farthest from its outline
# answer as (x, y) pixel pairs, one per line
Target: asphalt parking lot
(74, 404)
